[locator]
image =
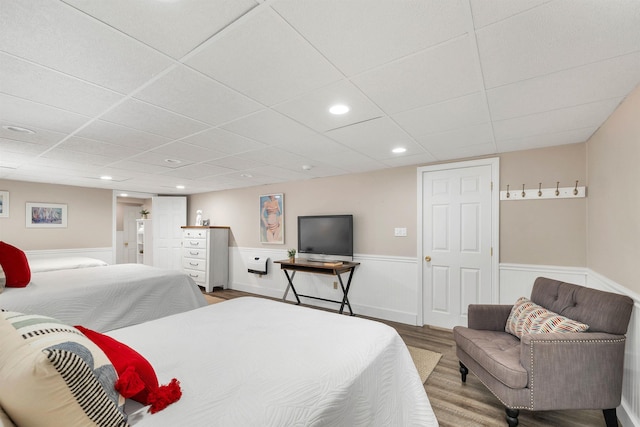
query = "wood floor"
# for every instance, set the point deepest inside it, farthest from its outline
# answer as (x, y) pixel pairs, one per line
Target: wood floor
(470, 404)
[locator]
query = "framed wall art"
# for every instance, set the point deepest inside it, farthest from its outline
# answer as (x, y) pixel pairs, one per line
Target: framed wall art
(272, 218)
(46, 215)
(4, 204)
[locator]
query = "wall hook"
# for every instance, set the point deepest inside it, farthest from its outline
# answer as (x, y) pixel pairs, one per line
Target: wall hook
(557, 188)
(523, 193)
(539, 189)
(575, 190)
(508, 194)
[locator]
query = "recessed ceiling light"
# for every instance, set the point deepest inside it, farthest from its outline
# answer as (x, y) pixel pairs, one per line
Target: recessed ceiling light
(180, 187)
(399, 150)
(106, 177)
(246, 175)
(124, 195)
(173, 161)
(339, 109)
(306, 167)
(18, 129)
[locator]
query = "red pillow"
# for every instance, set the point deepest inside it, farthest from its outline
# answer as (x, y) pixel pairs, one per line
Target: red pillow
(136, 378)
(15, 265)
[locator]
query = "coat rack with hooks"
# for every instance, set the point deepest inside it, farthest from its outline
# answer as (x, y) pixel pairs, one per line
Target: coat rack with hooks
(557, 192)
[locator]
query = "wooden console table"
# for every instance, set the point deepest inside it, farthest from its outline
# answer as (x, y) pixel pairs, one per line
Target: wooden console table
(318, 267)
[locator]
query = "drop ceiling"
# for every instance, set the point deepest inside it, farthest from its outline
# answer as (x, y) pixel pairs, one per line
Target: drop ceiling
(214, 95)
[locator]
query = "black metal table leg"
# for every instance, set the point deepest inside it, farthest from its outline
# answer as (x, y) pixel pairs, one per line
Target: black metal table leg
(290, 279)
(345, 293)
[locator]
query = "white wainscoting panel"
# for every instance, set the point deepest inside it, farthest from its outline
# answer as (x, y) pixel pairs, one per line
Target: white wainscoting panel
(382, 287)
(516, 280)
(104, 254)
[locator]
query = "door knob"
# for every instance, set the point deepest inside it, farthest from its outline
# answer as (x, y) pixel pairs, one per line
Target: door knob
(427, 258)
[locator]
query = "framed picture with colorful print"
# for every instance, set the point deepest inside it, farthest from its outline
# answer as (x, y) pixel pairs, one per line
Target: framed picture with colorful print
(46, 215)
(272, 218)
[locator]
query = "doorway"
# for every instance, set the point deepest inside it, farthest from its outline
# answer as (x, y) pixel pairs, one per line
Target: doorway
(458, 238)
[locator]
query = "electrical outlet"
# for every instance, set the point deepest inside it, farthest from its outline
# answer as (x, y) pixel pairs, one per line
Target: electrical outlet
(335, 285)
(400, 232)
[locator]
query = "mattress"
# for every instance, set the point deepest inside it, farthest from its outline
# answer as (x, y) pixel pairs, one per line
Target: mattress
(105, 298)
(257, 362)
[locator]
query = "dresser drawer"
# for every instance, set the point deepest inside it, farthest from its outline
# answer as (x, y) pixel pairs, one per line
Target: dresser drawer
(195, 243)
(200, 277)
(194, 234)
(194, 253)
(194, 264)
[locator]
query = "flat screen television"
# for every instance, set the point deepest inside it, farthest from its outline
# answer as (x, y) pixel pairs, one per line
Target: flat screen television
(326, 235)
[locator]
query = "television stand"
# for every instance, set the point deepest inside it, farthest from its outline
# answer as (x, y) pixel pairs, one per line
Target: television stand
(320, 267)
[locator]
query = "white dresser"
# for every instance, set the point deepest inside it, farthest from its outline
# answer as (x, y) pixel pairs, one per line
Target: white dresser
(205, 255)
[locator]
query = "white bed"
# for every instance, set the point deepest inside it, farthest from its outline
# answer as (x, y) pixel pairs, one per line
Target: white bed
(256, 362)
(106, 297)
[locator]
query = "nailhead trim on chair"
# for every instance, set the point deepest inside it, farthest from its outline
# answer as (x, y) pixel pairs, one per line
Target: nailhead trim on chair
(531, 386)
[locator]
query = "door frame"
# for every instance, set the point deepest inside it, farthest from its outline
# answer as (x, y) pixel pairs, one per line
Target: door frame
(494, 162)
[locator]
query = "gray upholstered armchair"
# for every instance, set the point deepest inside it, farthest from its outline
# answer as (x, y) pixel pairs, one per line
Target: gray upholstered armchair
(550, 371)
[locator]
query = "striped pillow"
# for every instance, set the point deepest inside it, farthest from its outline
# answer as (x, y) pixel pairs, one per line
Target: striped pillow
(55, 376)
(527, 317)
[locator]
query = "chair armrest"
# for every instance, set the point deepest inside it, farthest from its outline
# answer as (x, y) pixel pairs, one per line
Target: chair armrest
(491, 317)
(577, 370)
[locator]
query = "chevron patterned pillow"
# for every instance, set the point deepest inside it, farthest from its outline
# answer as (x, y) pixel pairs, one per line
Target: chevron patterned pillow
(527, 317)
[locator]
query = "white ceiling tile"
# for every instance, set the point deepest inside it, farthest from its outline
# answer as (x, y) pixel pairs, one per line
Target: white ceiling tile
(70, 156)
(20, 112)
(90, 146)
(358, 35)
(444, 116)
(191, 94)
(451, 153)
(159, 167)
(67, 40)
(457, 138)
(186, 151)
(274, 156)
(197, 171)
(489, 12)
(313, 109)
(376, 138)
(20, 147)
(271, 127)
(578, 117)
(271, 62)
(556, 36)
(607, 79)
(446, 71)
(159, 160)
(174, 28)
(35, 83)
(121, 135)
(235, 163)
(224, 141)
(148, 118)
(539, 141)
(416, 159)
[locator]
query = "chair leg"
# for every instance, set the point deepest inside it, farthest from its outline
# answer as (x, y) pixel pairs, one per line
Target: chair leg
(512, 416)
(610, 417)
(463, 371)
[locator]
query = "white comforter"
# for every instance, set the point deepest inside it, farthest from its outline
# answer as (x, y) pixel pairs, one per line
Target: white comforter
(256, 362)
(105, 298)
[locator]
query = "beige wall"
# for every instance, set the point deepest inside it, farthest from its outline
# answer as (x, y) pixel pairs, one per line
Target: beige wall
(88, 222)
(614, 195)
(532, 232)
(379, 201)
(548, 231)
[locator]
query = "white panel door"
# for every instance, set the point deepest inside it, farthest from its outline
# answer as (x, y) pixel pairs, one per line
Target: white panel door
(129, 216)
(169, 214)
(456, 243)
